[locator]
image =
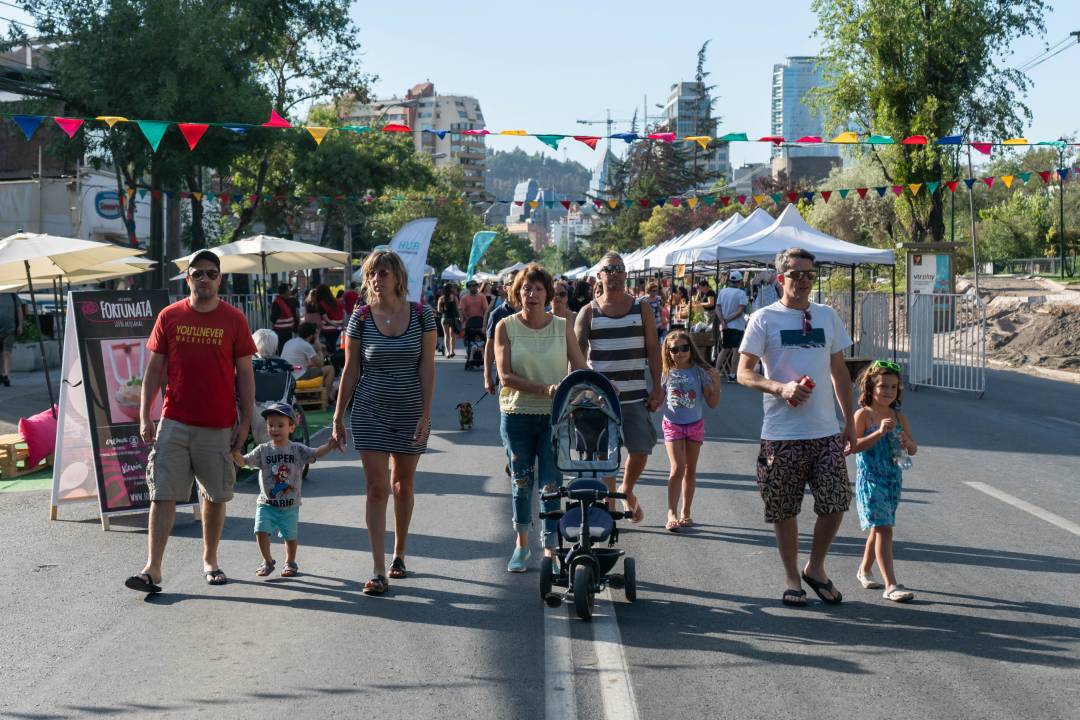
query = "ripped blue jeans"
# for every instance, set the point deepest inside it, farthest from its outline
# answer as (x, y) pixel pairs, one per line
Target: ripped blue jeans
(531, 457)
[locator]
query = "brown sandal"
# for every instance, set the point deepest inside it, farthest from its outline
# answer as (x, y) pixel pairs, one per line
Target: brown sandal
(266, 568)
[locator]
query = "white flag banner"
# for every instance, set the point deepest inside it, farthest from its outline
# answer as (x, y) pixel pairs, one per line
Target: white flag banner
(411, 243)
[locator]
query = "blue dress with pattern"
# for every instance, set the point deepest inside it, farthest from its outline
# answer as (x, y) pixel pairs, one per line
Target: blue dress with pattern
(877, 483)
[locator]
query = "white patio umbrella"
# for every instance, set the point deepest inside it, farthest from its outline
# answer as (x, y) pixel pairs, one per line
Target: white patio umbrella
(31, 255)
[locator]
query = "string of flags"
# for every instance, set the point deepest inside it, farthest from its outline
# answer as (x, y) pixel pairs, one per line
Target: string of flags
(1048, 177)
(192, 132)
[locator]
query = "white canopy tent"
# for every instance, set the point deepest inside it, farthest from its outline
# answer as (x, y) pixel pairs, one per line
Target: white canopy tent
(482, 276)
(512, 268)
(671, 255)
(453, 273)
(705, 251)
(578, 273)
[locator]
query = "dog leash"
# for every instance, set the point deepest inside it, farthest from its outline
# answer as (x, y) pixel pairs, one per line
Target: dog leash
(486, 393)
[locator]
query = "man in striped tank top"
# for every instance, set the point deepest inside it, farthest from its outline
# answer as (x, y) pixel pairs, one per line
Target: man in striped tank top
(617, 333)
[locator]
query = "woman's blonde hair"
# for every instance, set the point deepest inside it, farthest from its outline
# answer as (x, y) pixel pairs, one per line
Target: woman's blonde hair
(671, 339)
(391, 261)
(533, 273)
(868, 380)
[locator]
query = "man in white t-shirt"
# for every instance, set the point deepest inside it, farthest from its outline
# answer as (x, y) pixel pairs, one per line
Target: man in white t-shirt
(731, 306)
(801, 441)
(300, 352)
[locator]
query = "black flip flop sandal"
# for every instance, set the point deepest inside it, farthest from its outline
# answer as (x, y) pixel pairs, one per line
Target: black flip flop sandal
(821, 588)
(142, 583)
(398, 569)
(377, 585)
(794, 598)
(216, 577)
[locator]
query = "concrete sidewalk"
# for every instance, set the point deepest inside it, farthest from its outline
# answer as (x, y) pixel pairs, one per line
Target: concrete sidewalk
(28, 395)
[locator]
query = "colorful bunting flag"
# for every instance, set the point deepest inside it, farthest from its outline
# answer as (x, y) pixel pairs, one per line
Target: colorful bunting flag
(644, 202)
(897, 189)
(276, 121)
(774, 139)
(734, 137)
(951, 184)
(613, 203)
(534, 204)
(153, 131)
(629, 137)
(809, 139)
(950, 140)
(846, 138)
(1008, 180)
(862, 192)
(676, 201)
(396, 127)
(970, 182)
(598, 203)
(551, 141)
(932, 186)
(664, 137)
(28, 124)
(1025, 176)
(914, 140)
(1015, 141)
(880, 140)
(513, 132)
(565, 204)
(825, 195)
(776, 197)
(660, 202)
(808, 196)
(843, 193)
(111, 120)
(1063, 173)
(193, 133)
(70, 126)
(476, 132)
(709, 200)
(881, 191)
(1045, 175)
(702, 140)
(793, 197)
(915, 188)
(989, 181)
(724, 200)
(317, 132)
(741, 199)
(983, 147)
(589, 140)
(692, 202)
(759, 199)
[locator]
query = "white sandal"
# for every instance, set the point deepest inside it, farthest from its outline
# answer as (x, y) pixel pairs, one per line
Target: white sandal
(868, 582)
(898, 593)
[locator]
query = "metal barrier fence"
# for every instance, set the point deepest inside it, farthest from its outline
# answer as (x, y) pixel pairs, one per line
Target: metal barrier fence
(1034, 266)
(871, 331)
(246, 303)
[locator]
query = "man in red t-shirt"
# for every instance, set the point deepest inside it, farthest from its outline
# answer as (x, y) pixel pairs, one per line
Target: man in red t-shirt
(203, 346)
(472, 304)
(351, 296)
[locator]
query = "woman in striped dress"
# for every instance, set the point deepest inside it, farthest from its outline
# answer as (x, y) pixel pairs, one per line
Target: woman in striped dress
(391, 352)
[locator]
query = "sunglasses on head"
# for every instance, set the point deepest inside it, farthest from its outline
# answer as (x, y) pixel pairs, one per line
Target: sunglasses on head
(198, 274)
(886, 365)
(797, 275)
(679, 348)
(613, 269)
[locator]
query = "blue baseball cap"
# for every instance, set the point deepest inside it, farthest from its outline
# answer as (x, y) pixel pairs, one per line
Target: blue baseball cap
(280, 408)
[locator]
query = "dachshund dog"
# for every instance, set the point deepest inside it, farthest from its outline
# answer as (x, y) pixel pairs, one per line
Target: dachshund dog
(465, 415)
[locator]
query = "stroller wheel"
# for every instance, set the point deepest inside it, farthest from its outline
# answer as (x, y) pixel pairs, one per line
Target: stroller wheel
(630, 579)
(547, 575)
(583, 592)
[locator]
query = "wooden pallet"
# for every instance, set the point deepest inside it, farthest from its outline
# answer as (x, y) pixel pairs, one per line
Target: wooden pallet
(314, 398)
(13, 452)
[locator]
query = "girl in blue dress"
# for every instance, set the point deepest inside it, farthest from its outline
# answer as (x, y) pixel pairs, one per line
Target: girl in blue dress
(882, 431)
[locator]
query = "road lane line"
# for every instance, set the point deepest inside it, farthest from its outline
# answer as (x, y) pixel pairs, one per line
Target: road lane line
(612, 670)
(1064, 420)
(559, 699)
(1027, 507)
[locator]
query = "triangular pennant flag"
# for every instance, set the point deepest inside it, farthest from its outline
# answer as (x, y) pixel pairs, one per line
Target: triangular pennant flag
(565, 204)
(519, 203)
(897, 189)
(970, 182)
(644, 202)
(70, 126)
(439, 133)
(881, 191)
(951, 184)
(862, 192)
(629, 137)
(317, 132)
(914, 140)
(741, 199)
(156, 194)
(1045, 175)
(709, 200)
(825, 195)
(476, 132)
(358, 129)
(549, 204)
(534, 204)
(660, 202)
(513, 132)
(774, 139)
(197, 195)
(702, 140)
(153, 130)
(950, 140)
(1008, 180)
(760, 199)
(1015, 141)
(551, 141)
(276, 121)
(665, 137)
(808, 196)
(1063, 173)
(777, 197)
(613, 203)
(193, 133)
(793, 197)
(598, 203)
(982, 147)
(846, 138)
(397, 127)
(142, 193)
(111, 120)
(914, 188)
(589, 140)
(677, 202)
(932, 186)
(131, 192)
(628, 203)
(734, 137)
(692, 202)
(724, 200)
(989, 181)
(1025, 176)
(253, 199)
(28, 124)
(185, 195)
(843, 193)
(809, 139)
(880, 140)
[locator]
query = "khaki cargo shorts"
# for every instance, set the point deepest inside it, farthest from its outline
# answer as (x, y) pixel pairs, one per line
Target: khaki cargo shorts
(183, 454)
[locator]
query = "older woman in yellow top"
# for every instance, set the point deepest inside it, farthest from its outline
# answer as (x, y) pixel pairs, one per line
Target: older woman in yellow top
(533, 350)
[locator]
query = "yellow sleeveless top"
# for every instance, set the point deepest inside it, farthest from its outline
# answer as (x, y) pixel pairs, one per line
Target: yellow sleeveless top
(537, 355)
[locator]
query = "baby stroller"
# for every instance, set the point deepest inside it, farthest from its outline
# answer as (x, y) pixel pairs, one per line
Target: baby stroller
(473, 337)
(274, 382)
(586, 430)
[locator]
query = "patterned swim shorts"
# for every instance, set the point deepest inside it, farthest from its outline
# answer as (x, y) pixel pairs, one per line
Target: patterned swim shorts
(785, 467)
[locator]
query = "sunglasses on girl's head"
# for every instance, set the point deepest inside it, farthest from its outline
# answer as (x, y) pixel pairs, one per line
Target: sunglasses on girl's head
(679, 348)
(612, 269)
(198, 274)
(895, 367)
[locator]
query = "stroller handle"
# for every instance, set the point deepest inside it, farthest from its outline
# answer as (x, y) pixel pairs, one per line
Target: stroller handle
(594, 495)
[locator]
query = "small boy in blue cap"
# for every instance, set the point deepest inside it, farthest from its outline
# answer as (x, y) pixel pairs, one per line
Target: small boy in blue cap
(281, 470)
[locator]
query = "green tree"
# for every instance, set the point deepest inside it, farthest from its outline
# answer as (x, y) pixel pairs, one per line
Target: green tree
(505, 250)
(923, 67)
(669, 221)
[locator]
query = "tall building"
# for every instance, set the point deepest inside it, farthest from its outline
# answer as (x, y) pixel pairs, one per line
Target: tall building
(601, 176)
(687, 113)
(792, 118)
(436, 121)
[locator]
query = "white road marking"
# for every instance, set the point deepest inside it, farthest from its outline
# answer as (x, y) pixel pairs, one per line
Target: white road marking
(1027, 507)
(612, 670)
(1064, 420)
(559, 700)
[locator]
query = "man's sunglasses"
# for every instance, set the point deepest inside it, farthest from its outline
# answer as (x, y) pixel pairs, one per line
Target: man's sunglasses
(885, 364)
(198, 274)
(613, 269)
(797, 275)
(678, 348)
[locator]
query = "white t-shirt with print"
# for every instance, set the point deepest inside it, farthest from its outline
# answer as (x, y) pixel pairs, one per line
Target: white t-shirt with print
(729, 300)
(298, 351)
(775, 334)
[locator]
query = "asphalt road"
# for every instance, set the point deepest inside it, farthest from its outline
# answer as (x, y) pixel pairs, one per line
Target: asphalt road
(993, 633)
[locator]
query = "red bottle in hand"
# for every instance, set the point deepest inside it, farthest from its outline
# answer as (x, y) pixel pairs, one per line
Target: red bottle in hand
(807, 382)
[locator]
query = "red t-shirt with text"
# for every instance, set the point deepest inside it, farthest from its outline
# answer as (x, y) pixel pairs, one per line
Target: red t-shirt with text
(200, 349)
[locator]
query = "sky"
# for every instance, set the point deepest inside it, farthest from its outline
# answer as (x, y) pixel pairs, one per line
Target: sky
(543, 67)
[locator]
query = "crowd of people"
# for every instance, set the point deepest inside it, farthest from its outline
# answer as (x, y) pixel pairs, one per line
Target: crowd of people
(538, 329)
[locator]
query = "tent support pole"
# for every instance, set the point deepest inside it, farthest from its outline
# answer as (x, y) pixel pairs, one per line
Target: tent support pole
(894, 311)
(41, 340)
(853, 304)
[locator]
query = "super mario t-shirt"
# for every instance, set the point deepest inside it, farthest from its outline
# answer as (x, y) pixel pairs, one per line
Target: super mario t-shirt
(281, 471)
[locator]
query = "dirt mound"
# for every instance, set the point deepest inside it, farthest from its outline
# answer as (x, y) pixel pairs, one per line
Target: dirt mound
(1044, 335)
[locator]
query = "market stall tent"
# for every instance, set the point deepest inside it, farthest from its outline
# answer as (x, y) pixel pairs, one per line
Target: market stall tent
(706, 250)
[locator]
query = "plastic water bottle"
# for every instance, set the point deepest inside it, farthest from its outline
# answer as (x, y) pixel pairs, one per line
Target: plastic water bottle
(900, 455)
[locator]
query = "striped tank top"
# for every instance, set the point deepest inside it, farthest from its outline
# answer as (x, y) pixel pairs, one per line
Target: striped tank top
(617, 350)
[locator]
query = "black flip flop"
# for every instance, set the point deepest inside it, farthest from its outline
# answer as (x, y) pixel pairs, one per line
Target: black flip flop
(142, 583)
(789, 594)
(398, 569)
(377, 585)
(215, 577)
(821, 587)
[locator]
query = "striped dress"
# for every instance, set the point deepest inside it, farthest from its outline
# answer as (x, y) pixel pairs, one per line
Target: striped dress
(617, 350)
(388, 399)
